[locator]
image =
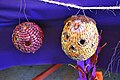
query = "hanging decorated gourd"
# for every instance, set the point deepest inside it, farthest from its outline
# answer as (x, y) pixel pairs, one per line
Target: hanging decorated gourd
(80, 37)
(27, 37)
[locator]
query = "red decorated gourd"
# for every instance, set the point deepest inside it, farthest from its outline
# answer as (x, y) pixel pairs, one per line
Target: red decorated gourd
(27, 37)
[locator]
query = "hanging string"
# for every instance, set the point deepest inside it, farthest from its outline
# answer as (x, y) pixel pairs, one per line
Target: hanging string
(24, 11)
(78, 12)
(20, 9)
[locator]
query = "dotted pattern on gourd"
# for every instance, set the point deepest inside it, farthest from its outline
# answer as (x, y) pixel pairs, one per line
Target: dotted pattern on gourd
(79, 37)
(27, 37)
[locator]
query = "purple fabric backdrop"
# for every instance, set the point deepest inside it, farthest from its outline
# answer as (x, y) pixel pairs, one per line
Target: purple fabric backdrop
(51, 18)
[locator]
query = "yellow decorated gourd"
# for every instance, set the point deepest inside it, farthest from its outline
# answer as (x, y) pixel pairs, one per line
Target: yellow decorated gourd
(80, 37)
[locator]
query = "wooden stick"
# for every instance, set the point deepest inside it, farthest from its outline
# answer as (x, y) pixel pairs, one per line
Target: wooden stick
(47, 72)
